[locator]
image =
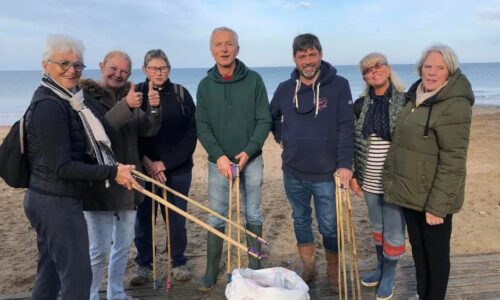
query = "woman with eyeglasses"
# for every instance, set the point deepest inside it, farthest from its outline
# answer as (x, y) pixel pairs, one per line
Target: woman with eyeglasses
(111, 211)
(377, 111)
(167, 157)
(425, 168)
(69, 152)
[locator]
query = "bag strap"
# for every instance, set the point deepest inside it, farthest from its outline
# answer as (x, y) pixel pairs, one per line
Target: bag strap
(179, 91)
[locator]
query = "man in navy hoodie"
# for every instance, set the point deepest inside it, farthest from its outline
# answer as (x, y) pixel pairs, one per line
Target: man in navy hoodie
(313, 120)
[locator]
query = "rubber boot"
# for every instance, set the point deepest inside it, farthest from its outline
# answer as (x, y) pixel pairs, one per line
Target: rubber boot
(373, 278)
(386, 287)
(332, 269)
(253, 262)
(214, 253)
(308, 256)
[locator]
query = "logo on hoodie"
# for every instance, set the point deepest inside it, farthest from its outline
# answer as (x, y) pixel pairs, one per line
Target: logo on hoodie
(323, 103)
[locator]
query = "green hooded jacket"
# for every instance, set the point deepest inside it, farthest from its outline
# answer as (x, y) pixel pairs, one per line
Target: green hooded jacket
(232, 115)
(425, 166)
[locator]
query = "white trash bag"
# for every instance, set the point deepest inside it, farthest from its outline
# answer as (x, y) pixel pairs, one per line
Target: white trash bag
(269, 284)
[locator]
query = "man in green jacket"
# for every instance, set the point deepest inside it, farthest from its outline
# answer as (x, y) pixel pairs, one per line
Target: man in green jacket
(233, 121)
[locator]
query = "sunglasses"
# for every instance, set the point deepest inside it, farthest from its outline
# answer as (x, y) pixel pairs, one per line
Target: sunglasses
(375, 67)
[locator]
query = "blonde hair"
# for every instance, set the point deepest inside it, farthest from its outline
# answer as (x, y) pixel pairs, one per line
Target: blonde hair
(114, 53)
(373, 58)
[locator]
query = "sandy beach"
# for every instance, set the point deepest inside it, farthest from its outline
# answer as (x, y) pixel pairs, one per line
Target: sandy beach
(475, 228)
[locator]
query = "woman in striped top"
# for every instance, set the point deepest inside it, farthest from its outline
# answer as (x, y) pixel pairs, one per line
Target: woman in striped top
(377, 111)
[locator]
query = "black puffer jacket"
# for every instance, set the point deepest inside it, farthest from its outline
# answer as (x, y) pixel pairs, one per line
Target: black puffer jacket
(57, 147)
(123, 126)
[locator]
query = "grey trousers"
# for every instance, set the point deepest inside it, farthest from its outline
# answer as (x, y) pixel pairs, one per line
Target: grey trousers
(63, 247)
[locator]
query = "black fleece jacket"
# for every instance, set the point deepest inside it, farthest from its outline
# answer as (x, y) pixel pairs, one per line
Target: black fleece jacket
(176, 140)
(57, 147)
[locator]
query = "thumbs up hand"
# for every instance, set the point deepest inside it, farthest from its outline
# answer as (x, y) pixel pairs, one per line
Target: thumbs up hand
(153, 97)
(133, 98)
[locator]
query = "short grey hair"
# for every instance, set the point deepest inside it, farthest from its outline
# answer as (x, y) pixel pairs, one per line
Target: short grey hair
(373, 58)
(449, 57)
(305, 42)
(118, 53)
(59, 43)
(224, 28)
(156, 53)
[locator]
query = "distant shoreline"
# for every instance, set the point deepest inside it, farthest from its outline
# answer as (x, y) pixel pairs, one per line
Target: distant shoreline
(477, 109)
(259, 67)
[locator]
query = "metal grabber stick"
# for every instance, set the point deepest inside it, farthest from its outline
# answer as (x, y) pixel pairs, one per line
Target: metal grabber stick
(191, 218)
(236, 174)
(156, 283)
(229, 232)
(145, 178)
(340, 217)
(354, 249)
(346, 226)
(168, 284)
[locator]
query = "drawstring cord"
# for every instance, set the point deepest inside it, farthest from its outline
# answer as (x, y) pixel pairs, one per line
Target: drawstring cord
(315, 96)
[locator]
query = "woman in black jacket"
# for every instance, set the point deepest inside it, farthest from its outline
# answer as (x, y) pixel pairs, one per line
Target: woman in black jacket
(60, 133)
(168, 157)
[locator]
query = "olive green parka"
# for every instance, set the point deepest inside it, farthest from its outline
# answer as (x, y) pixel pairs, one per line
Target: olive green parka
(426, 165)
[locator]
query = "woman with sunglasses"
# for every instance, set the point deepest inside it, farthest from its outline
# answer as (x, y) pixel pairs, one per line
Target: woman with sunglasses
(69, 153)
(111, 211)
(376, 113)
(168, 158)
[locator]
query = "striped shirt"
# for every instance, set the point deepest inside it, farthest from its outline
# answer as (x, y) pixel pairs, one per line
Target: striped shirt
(372, 179)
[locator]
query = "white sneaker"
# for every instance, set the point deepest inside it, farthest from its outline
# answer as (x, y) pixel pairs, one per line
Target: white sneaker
(414, 297)
(181, 273)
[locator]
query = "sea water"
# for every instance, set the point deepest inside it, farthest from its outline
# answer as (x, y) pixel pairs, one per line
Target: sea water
(17, 87)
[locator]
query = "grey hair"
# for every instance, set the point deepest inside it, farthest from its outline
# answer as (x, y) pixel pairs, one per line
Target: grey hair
(119, 53)
(306, 41)
(155, 53)
(59, 43)
(449, 57)
(224, 28)
(375, 57)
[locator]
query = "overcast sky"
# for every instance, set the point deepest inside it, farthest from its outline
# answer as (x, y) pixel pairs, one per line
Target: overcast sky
(348, 29)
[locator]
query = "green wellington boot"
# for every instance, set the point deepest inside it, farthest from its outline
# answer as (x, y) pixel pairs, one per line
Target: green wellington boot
(254, 263)
(214, 253)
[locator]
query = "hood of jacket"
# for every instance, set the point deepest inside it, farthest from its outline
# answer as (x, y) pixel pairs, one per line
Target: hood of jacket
(106, 96)
(458, 86)
(240, 72)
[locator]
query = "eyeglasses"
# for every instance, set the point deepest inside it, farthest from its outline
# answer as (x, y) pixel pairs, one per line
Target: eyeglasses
(375, 67)
(65, 65)
(162, 69)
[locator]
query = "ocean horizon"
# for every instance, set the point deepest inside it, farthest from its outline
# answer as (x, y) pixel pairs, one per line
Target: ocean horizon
(17, 87)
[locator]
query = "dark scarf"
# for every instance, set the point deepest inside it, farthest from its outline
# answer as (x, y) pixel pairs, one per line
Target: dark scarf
(377, 116)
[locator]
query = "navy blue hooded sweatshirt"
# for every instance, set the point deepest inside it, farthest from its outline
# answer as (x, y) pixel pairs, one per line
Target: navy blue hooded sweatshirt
(314, 145)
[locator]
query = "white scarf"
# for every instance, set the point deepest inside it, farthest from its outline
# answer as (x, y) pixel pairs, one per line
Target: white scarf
(94, 131)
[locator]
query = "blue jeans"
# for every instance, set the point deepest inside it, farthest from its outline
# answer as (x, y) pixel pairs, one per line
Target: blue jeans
(178, 233)
(388, 225)
(299, 193)
(250, 192)
(63, 246)
(109, 232)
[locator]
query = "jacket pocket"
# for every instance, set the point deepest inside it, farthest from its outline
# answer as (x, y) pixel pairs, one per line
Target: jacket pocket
(423, 180)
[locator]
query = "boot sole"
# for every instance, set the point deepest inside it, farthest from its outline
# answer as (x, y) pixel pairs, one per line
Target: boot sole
(370, 284)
